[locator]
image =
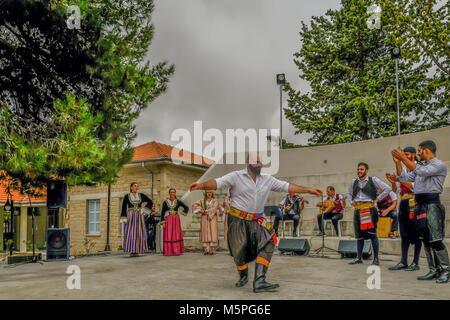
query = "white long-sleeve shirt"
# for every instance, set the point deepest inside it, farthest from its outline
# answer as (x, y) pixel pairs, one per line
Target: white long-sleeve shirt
(428, 177)
(248, 195)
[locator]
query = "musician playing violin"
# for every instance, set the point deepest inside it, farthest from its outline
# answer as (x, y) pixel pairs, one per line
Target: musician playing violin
(292, 206)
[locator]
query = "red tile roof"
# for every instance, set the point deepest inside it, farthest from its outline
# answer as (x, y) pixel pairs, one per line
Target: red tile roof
(16, 196)
(148, 151)
(156, 150)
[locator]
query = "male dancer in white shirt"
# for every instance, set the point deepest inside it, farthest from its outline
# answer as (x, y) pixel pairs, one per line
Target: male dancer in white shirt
(250, 237)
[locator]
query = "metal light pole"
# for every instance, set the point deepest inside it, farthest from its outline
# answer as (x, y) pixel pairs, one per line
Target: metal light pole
(281, 79)
(107, 247)
(398, 99)
(395, 54)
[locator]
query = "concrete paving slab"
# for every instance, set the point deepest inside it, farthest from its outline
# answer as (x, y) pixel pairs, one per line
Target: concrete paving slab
(198, 277)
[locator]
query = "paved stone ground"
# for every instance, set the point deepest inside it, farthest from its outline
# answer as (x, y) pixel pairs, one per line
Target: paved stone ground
(197, 277)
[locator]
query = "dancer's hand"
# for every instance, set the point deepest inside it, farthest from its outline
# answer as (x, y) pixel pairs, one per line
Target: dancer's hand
(316, 192)
(398, 155)
(384, 213)
(195, 186)
(390, 177)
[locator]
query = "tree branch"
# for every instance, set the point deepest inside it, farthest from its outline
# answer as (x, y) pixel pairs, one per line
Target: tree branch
(430, 114)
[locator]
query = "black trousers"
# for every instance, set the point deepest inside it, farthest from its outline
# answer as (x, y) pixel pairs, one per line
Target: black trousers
(294, 217)
(248, 240)
(407, 225)
(333, 216)
(429, 218)
(408, 232)
(151, 236)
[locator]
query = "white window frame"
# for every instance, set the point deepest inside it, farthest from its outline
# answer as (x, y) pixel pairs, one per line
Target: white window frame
(93, 221)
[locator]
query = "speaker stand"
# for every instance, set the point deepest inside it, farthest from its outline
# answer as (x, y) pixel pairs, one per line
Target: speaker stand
(34, 259)
(320, 253)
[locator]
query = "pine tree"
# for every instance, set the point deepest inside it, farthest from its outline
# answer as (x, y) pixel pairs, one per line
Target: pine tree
(68, 95)
(352, 78)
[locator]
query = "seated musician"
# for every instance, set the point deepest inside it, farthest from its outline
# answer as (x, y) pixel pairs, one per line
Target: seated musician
(293, 206)
(331, 208)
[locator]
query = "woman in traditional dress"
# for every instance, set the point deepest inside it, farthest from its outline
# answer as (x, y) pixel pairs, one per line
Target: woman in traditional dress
(224, 207)
(134, 206)
(173, 244)
(209, 236)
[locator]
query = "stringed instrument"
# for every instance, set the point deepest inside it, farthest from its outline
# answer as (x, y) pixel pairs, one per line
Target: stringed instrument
(296, 199)
(327, 206)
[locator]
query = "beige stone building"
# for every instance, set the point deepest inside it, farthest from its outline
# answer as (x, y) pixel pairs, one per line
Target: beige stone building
(153, 168)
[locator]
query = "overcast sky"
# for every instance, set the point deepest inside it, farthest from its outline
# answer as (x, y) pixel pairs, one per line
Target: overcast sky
(226, 54)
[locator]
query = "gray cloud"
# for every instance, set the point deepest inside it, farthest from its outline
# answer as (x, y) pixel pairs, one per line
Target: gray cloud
(226, 54)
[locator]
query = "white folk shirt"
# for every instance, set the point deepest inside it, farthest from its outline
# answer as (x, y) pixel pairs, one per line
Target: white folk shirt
(406, 170)
(334, 199)
(248, 196)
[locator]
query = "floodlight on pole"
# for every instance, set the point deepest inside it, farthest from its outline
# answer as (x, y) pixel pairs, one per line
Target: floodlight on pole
(281, 80)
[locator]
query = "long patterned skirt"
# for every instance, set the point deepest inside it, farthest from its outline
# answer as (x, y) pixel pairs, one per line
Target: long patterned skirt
(135, 240)
(173, 236)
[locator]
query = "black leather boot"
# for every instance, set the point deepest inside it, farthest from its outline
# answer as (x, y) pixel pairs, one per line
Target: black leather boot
(434, 270)
(243, 278)
(260, 284)
(375, 261)
(442, 257)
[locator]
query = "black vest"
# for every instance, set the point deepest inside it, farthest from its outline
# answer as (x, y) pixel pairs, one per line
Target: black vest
(369, 189)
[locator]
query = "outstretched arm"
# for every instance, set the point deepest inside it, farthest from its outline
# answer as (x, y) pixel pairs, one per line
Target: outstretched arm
(208, 185)
(299, 189)
(284, 186)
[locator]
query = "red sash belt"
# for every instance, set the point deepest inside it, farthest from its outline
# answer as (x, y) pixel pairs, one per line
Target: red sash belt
(421, 216)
